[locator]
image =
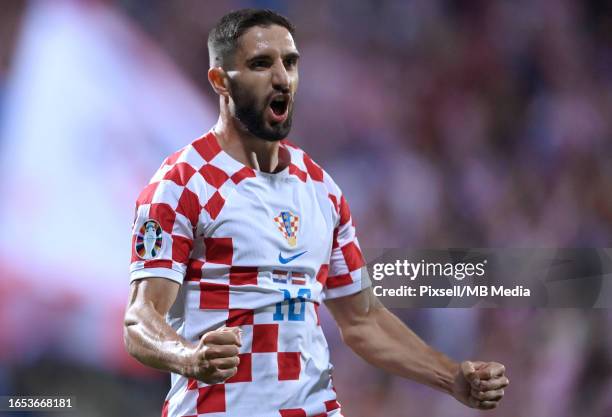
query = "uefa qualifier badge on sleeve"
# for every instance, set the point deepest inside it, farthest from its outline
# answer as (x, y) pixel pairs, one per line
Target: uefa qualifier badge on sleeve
(149, 240)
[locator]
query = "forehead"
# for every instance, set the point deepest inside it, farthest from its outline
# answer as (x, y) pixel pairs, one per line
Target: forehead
(259, 40)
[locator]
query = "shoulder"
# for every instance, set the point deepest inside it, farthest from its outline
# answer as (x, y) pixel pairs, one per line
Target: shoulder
(201, 161)
(190, 159)
(181, 170)
(198, 177)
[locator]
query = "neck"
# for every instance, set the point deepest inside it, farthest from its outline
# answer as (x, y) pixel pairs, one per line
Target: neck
(246, 148)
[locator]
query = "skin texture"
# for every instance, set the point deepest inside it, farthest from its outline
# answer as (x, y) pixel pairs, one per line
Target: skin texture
(264, 64)
(153, 342)
(380, 338)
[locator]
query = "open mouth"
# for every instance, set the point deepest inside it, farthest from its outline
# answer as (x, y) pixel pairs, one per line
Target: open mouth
(279, 105)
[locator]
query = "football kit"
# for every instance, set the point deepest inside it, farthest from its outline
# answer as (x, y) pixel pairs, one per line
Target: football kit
(256, 250)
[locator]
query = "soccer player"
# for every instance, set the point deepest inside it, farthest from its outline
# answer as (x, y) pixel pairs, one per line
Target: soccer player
(237, 240)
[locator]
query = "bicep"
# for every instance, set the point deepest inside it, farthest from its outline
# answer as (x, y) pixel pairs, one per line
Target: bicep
(353, 310)
(158, 293)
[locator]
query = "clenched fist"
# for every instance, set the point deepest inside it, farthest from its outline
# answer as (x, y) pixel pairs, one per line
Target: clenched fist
(215, 358)
(480, 384)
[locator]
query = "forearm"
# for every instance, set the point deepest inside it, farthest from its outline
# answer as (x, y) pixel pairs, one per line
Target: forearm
(153, 342)
(384, 341)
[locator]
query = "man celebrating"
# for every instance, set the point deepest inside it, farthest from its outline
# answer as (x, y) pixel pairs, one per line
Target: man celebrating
(253, 236)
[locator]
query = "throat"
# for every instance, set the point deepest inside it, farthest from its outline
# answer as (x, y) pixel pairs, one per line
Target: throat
(249, 150)
(270, 158)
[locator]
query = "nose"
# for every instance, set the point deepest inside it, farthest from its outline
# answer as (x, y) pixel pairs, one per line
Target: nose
(280, 78)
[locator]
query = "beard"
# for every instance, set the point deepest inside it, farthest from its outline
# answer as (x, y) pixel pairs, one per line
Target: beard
(251, 115)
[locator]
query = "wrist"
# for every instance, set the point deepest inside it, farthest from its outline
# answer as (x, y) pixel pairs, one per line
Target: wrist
(447, 376)
(455, 371)
(185, 358)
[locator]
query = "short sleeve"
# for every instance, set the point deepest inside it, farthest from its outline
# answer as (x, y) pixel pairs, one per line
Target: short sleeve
(167, 215)
(347, 273)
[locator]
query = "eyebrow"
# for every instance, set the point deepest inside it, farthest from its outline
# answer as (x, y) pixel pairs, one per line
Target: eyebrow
(263, 55)
(293, 55)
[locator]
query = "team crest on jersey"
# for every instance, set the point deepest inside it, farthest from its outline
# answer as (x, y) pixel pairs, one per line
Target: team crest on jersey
(149, 240)
(288, 224)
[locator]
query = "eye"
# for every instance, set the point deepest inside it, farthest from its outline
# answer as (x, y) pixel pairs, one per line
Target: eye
(290, 62)
(259, 64)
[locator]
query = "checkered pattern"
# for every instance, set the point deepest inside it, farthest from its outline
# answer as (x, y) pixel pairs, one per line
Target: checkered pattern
(220, 239)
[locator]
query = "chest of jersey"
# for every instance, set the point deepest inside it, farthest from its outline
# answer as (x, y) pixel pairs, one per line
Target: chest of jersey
(279, 225)
(276, 222)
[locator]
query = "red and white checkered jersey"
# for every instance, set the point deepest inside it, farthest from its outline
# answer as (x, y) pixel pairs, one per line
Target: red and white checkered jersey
(255, 250)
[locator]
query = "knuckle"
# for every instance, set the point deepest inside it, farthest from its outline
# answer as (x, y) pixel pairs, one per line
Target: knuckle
(211, 352)
(208, 337)
(199, 353)
(217, 376)
(226, 352)
(206, 377)
(488, 404)
(227, 373)
(198, 356)
(198, 360)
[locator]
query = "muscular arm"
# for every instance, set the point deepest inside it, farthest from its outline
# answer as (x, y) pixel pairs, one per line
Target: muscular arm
(147, 336)
(383, 340)
(379, 337)
(153, 342)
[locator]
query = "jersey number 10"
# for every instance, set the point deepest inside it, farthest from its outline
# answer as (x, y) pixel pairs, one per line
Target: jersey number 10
(293, 315)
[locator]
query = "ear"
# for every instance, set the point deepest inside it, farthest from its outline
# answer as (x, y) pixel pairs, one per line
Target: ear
(218, 80)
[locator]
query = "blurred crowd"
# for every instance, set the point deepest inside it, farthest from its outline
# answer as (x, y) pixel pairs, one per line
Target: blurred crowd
(447, 124)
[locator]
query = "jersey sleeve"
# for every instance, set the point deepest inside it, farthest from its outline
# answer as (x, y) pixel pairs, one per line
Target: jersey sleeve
(167, 214)
(347, 268)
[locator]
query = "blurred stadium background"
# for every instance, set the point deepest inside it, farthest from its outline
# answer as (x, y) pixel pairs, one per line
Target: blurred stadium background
(447, 123)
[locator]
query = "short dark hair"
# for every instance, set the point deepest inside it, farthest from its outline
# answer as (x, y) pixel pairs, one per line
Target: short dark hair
(223, 38)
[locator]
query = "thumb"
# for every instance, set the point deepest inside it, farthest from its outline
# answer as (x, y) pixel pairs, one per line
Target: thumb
(201, 341)
(469, 370)
(205, 334)
(238, 332)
